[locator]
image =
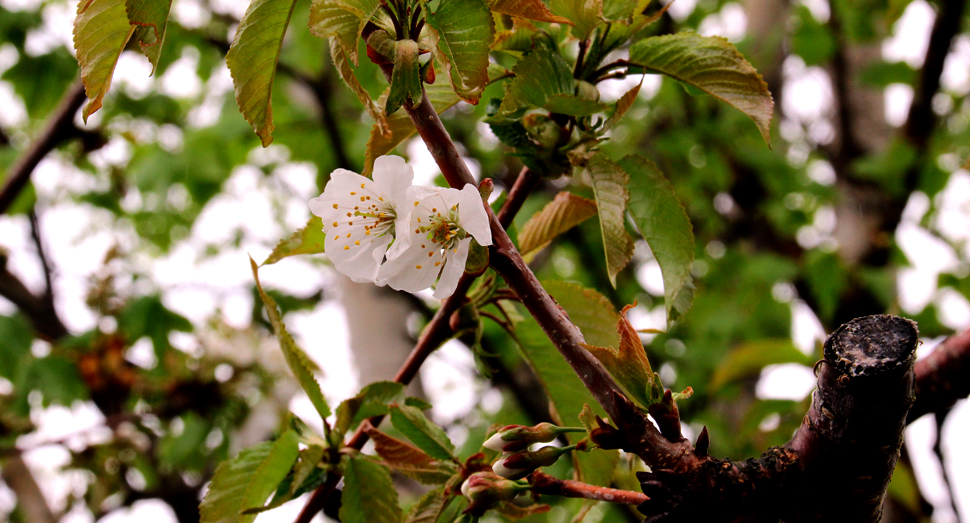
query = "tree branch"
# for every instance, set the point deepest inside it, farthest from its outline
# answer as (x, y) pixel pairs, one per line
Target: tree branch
(543, 483)
(30, 499)
(59, 128)
(39, 309)
(941, 377)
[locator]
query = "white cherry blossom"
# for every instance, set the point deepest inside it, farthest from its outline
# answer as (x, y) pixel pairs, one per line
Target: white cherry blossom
(435, 240)
(359, 215)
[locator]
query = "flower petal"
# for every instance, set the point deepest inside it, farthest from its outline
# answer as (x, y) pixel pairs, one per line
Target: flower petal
(394, 176)
(472, 216)
(454, 267)
(415, 269)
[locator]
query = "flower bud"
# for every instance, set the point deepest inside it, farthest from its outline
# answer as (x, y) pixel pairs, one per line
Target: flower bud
(485, 489)
(522, 463)
(513, 438)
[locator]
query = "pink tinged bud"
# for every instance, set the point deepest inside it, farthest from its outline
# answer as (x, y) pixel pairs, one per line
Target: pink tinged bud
(522, 463)
(513, 438)
(485, 489)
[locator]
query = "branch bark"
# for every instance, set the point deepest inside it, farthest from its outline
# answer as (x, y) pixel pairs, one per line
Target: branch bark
(543, 483)
(941, 377)
(58, 129)
(30, 499)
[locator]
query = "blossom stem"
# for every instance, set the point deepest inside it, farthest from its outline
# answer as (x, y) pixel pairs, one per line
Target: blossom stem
(543, 483)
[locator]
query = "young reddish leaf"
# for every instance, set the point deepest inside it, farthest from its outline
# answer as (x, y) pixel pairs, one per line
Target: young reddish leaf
(515, 512)
(585, 14)
(712, 64)
(622, 106)
(331, 19)
(246, 481)
(406, 84)
(252, 61)
(531, 9)
(423, 433)
(368, 495)
(558, 216)
(306, 240)
(628, 363)
(346, 72)
(151, 17)
(465, 29)
(409, 460)
(101, 31)
(296, 359)
(664, 224)
(609, 185)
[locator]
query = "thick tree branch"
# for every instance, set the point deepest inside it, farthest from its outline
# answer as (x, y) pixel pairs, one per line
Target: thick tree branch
(941, 377)
(59, 127)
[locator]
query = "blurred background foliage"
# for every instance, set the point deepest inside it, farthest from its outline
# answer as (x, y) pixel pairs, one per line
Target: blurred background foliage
(857, 208)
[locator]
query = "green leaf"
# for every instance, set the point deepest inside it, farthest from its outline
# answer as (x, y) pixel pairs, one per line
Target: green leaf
(151, 17)
(17, 335)
(585, 14)
(296, 359)
(409, 460)
(748, 358)
(558, 216)
(712, 64)
(309, 462)
(252, 61)
(542, 74)
(346, 72)
(147, 316)
(620, 10)
(399, 124)
(530, 9)
(368, 495)
(428, 507)
(331, 19)
(406, 77)
(247, 480)
(609, 186)
(464, 32)
(622, 106)
(664, 224)
(596, 318)
(372, 400)
(628, 362)
(307, 240)
(422, 432)
(101, 31)
(574, 105)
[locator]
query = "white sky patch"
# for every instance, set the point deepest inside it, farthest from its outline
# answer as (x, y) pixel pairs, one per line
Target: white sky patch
(787, 381)
(898, 98)
(911, 35)
(808, 92)
(14, 113)
(144, 510)
(681, 9)
(180, 79)
(730, 22)
(956, 69)
(132, 74)
(818, 8)
(449, 379)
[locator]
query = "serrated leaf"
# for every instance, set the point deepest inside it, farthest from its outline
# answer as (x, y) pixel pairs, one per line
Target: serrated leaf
(400, 126)
(368, 495)
(296, 359)
(247, 480)
(331, 19)
(372, 400)
(558, 216)
(622, 106)
(540, 75)
(151, 17)
(422, 432)
(574, 105)
(309, 461)
(530, 9)
(405, 78)
(409, 460)
(306, 240)
(101, 31)
(712, 64)
(628, 362)
(748, 358)
(620, 10)
(596, 319)
(585, 14)
(252, 61)
(609, 186)
(664, 224)
(346, 73)
(428, 507)
(465, 29)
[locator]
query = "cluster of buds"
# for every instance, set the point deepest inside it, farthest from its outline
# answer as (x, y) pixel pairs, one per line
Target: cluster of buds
(513, 438)
(520, 464)
(485, 490)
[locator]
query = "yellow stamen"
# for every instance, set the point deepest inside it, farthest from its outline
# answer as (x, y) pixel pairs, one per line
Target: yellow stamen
(346, 247)
(334, 206)
(357, 242)
(417, 267)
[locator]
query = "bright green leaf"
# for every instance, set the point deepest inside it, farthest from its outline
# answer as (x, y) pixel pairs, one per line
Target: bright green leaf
(330, 19)
(101, 31)
(620, 10)
(247, 480)
(664, 224)
(252, 61)
(542, 74)
(368, 494)
(609, 185)
(558, 216)
(307, 240)
(713, 65)
(151, 17)
(309, 462)
(748, 358)
(464, 31)
(596, 319)
(574, 105)
(295, 357)
(422, 432)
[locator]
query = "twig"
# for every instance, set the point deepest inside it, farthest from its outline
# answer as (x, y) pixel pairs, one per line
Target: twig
(58, 129)
(39, 309)
(543, 483)
(39, 245)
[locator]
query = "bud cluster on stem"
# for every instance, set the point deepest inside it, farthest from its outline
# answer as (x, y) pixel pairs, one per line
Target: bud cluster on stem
(513, 438)
(520, 464)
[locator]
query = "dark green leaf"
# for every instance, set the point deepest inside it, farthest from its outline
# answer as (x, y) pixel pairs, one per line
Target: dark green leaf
(368, 495)
(428, 507)
(464, 31)
(422, 432)
(540, 75)
(406, 77)
(373, 400)
(610, 186)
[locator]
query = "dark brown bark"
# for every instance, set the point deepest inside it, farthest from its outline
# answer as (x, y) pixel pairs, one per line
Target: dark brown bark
(943, 377)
